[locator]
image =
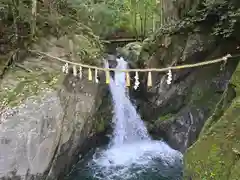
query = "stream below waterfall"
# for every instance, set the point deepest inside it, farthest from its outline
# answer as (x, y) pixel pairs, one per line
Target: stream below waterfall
(130, 154)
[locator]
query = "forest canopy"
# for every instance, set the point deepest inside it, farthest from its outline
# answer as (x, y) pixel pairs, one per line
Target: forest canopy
(24, 22)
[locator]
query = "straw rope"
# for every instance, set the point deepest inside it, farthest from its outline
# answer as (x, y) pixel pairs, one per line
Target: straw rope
(224, 58)
(65, 69)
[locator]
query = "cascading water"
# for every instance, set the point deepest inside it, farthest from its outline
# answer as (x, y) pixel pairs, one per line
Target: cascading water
(129, 127)
(132, 154)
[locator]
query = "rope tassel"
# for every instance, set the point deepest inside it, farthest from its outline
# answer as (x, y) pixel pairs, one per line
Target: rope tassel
(96, 76)
(169, 79)
(74, 70)
(107, 73)
(80, 72)
(65, 68)
(127, 79)
(136, 84)
(149, 80)
(89, 74)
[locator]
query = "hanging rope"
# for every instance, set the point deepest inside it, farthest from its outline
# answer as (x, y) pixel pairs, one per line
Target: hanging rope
(127, 71)
(224, 58)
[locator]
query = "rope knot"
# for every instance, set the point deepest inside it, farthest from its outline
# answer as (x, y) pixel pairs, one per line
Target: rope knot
(225, 58)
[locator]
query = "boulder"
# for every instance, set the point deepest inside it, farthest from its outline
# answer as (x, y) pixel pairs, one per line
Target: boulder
(130, 53)
(46, 117)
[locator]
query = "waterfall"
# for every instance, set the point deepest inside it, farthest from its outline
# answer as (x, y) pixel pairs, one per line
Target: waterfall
(131, 151)
(128, 125)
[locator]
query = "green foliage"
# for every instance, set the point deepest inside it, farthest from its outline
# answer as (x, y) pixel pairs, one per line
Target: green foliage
(218, 17)
(81, 20)
(226, 13)
(53, 19)
(107, 16)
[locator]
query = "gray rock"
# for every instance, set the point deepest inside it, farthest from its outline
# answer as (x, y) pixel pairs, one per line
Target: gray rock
(45, 119)
(177, 112)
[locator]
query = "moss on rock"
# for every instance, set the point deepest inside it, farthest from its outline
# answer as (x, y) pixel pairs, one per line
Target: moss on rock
(216, 154)
(102, 118)
(19, 84)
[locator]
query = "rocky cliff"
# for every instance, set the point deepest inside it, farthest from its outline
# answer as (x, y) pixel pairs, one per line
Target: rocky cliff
(216, 154)
(199, 110)
(177, 112)
(46, 118)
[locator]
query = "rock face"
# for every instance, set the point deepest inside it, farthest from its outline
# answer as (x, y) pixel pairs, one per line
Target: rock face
(177, 112)
(216, 154)
(131, 52)
(198, 113)
(45, 119)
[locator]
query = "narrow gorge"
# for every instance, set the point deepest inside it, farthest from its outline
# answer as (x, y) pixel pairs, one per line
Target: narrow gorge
(54, 124)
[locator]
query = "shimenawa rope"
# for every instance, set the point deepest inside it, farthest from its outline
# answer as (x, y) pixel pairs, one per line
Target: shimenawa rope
(127, 71)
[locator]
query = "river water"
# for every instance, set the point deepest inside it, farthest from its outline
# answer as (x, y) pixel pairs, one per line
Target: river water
(131, 154)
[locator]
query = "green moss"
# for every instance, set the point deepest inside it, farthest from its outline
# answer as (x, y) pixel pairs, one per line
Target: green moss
(155, 124)
(236, 80)
(100, 125)
(163, 118)
(215, 155)
(166, 117)
(221, 106)
(103, 116)
(24, 85)
(212, 157)
(235, 173)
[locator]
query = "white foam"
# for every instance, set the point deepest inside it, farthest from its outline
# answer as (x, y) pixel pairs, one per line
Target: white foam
(138, 153)
(131, 145)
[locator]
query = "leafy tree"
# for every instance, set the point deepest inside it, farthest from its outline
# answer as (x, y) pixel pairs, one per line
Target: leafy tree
(26, 21)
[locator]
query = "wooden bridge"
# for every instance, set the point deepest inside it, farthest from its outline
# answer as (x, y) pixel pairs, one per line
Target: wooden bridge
(112, 44)
(121, 40)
